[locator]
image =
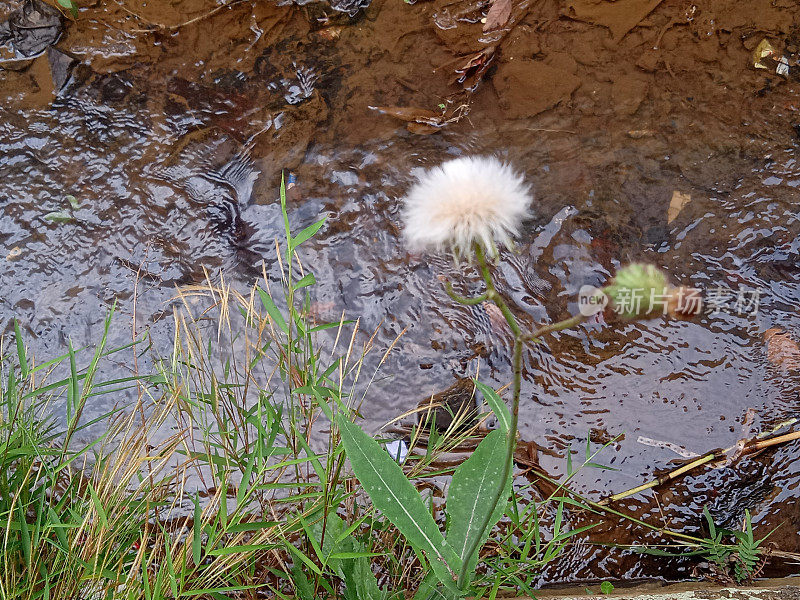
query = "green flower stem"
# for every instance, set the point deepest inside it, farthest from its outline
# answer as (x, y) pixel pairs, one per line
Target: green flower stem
(463, 299)
(520, 339)
(535, 337)
(511, 439)
(493, 295)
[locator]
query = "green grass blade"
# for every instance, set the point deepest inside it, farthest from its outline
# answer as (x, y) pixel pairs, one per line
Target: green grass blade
(23, 359)
(25, 535)
(197, 528)
(306, 234)
(98, 506)
(272, 310)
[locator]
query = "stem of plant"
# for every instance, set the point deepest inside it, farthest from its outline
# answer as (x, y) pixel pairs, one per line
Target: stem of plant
(520, 339)
(511, 443)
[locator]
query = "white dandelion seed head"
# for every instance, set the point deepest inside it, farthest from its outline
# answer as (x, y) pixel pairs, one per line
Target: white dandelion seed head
(468, 200)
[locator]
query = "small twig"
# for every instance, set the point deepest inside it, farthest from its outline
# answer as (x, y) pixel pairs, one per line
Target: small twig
(663, 479)
(550, 130)
(761, 444)
(161, 26)
(753, 445)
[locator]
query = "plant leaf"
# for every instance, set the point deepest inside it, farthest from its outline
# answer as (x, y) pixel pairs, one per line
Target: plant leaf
(23, 359)
(307, 233)
(394, 495)
(196, 531)
(497, 405)
(472, 489)
(498, 15)
(363, 580)
(710, 520)
(272, 310)
(301, 584)
(428, 590)
(676, 204)
(70, 4)
(307, 280)
(58, 216)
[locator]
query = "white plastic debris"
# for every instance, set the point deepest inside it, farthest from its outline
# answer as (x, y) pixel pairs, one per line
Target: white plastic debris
(679, 450)
(783, 66)
(397, 449)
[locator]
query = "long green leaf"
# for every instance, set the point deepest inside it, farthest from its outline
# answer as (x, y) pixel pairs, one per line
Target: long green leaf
(302, 585)
(98, 505)
(272, 310)
(23, 359)
(497, 405)
(469, 500)
(307, 233)
(24, 535)
(360, 581)
(394, 495)
(197, 528)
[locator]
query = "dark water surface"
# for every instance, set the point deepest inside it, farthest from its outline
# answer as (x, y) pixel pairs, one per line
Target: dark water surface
(172, 142)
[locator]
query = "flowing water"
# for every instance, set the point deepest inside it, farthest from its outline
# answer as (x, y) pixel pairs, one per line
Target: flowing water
(171, 139)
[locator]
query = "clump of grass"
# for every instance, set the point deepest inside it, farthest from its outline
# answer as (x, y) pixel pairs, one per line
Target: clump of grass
(72, 512)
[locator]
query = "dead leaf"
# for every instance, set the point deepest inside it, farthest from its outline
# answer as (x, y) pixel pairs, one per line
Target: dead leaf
(497, 322)
(782, 350)
(422, 128)
(498, 15)
(409, 114)
(419, 120)
(679, 200)
(470, 74)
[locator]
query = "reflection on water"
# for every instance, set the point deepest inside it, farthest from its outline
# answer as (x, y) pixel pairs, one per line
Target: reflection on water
(174, 176)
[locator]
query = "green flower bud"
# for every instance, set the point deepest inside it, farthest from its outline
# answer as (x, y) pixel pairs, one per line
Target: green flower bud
(639, 291)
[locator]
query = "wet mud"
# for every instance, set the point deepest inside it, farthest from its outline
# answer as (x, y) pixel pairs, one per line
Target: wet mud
(643, 126)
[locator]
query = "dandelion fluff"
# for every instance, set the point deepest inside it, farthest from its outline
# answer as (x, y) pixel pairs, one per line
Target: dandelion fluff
(465, 201)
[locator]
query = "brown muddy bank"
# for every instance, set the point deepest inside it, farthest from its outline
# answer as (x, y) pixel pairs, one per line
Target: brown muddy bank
(170, 122)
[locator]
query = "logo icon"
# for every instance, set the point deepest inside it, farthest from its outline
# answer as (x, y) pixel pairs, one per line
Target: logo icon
(591, 300)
